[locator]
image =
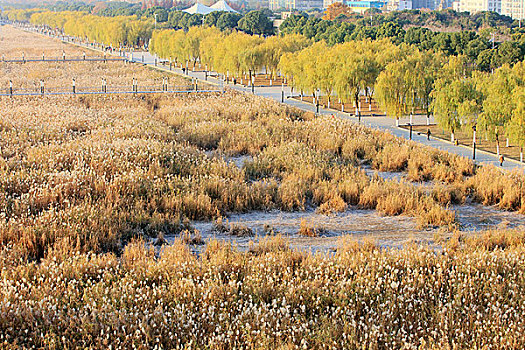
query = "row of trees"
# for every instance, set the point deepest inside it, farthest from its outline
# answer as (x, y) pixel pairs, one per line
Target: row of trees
(440, 19)
(495, 103)
(253, 22)
(478, 47)
(235, 53)
(404, 79)
(114, 31)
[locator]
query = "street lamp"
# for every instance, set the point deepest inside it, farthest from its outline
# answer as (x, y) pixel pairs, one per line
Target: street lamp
(474, 142)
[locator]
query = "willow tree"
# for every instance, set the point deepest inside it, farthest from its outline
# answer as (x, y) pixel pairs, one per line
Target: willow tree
(193, 38)
(498, 103)
(392, 91)
(422, 71)
(300, 67)
(456, 104)
(209, 49)
(325, 72)
(515, 127)
(274, 47)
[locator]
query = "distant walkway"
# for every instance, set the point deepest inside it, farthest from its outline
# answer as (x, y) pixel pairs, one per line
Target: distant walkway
(277, 92)
(63, 59)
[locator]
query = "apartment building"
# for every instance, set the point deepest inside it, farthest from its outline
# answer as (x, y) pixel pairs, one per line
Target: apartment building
(512, 8)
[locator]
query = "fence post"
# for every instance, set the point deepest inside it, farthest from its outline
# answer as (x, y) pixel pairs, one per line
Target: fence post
(74, 86)
(10, 87)
(142, 58)
(63, 56)
(43, 57)
(42, 86)
(23, 57)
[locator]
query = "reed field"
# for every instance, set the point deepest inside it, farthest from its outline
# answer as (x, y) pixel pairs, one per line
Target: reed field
(15, 42)
(469, 296)
(87, 183)
(58, 76)
(27, 76)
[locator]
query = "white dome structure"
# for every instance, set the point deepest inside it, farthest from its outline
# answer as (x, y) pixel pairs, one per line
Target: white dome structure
(222, 5)
(199, 9)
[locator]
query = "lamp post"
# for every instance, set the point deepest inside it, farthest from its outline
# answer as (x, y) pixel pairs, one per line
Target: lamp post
(474, 142)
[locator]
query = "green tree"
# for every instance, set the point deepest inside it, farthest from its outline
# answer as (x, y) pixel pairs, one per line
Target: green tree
(456, 104)
(210, 20)
(228, 20)
(515, 127)
(256, 22)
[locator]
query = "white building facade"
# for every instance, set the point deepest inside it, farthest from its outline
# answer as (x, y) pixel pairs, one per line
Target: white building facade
(512, 8)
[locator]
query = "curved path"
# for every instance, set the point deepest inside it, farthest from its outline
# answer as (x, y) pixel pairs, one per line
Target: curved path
(377, 122)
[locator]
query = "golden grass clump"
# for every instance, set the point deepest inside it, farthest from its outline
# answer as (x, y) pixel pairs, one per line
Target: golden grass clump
(268, 297)
(307, 229)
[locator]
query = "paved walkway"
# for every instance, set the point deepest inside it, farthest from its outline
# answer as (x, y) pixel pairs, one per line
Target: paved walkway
(380, 123)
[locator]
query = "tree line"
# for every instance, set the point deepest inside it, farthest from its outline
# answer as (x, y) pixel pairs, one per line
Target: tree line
(446, 19)
(234, 53)
(111, 31)
(404, 79)
(477, 47)
(253, 22)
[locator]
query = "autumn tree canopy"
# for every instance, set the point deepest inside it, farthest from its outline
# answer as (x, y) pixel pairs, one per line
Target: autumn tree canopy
(336, 9)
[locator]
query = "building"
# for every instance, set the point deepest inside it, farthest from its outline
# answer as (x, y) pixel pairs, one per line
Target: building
(399, 5)
(361, 6)
(295, 5)
(201, 9)
(222, 5)
(512, 8)
(303, 5)
(275, 5)
(473, 6)
(327, 3)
